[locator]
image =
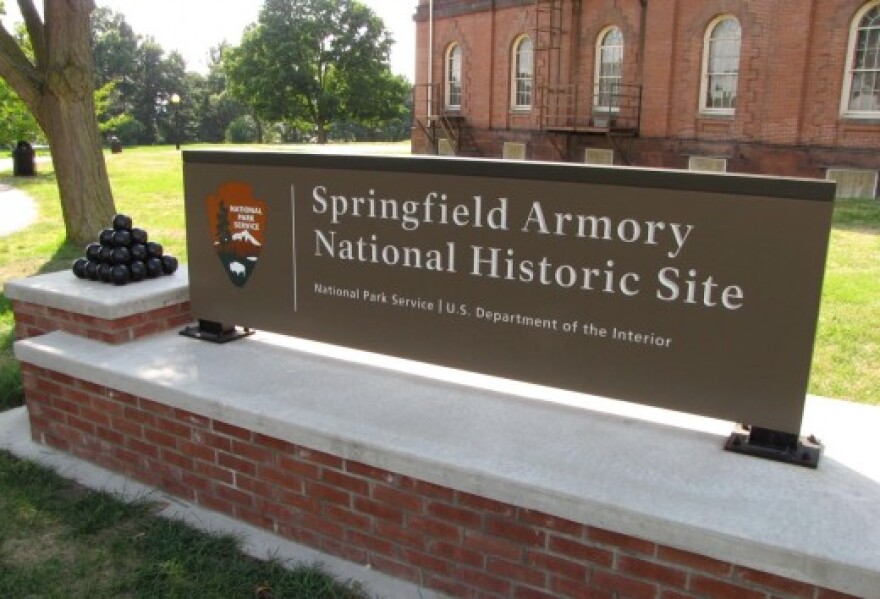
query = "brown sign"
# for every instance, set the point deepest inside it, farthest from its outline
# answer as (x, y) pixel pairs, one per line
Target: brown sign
(693, 292)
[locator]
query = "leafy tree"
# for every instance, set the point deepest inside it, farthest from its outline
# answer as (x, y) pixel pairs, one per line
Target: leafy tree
(317, 60)
(56, 83)
(143, 77)
(114, 47)
(242, 130)
(156, 77)
(223, 234)
(214, 108)
(16, 121)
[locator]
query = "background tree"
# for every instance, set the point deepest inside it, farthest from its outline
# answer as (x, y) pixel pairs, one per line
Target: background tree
(156, 75)
(316, 60)
(57, 86)
(16, 121)
(214, 108)
(114, 50)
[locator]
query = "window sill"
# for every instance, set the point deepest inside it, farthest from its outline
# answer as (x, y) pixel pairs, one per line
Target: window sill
(716, 116)
(860, 119)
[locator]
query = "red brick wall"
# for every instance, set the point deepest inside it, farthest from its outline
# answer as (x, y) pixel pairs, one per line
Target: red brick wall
(33, 319)
(445, 539)
(789, 92)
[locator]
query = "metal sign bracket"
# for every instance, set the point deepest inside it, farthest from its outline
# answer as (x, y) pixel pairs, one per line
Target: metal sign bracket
(775, 445)
(216, 332)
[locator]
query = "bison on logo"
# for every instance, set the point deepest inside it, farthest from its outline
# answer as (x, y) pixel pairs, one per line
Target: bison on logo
(237, 223)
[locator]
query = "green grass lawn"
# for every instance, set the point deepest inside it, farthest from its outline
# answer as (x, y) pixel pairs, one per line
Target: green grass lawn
(847, 353)
(147, 184)
(59, 541)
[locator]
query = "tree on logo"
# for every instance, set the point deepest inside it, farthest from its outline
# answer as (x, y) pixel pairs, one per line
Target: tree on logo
(223, 234)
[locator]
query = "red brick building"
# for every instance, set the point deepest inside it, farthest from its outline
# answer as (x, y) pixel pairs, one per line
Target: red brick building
(752, 86)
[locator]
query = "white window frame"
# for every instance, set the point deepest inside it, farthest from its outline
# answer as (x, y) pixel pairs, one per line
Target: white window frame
(599, 78)
(848, 74)
(452, 80)
(516, 94)
(705, 108)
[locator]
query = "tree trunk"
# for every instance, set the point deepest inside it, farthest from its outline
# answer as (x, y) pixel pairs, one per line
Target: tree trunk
(58, 88)
(259, 129)
(321, 136)
(68, 114)
(83, 185)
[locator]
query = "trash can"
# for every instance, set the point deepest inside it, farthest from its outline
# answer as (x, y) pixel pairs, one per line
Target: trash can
(115, 145)
(23, 160)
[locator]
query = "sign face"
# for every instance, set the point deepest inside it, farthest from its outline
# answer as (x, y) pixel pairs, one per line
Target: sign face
(687, 291)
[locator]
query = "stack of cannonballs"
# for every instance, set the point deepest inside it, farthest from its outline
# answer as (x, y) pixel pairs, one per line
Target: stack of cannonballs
(124, 254)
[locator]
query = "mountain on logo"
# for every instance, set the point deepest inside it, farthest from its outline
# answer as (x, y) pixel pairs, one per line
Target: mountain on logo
(246, 236)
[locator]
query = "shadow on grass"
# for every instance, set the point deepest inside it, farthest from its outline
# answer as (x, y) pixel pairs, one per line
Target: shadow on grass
(23, 183)
(62, 258)
(11, 392)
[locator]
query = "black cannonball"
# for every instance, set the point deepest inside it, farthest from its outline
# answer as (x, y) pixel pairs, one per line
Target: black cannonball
(93, 252)
(106, 237)
(122, 238)
(105, 256)
(139, 236)
(120, 255)
(154, 250)
(92, 270)
(154, 268)
(120, 274)
(138, 251)
(138, 270)
(122, 222)
(79, 268)
(105, 273)
(169, 264)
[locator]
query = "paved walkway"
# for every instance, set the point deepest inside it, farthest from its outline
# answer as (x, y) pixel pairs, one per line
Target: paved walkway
(17, 210)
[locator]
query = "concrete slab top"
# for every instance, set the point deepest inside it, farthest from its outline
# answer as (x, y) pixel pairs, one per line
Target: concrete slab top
(640, 471)
(63, 291)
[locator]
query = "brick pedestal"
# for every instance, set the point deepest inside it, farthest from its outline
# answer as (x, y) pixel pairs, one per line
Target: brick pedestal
(440, 532)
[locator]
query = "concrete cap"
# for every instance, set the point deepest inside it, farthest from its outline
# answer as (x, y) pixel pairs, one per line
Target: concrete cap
(644, 472)
(63, 291)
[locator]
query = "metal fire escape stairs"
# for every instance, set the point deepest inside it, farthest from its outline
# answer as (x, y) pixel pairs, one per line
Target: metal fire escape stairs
(439, 124)
(568, 110)
(451, 127)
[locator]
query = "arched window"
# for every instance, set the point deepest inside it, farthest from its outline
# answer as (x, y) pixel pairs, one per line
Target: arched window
(453, 77)
(609, 68)
(523, 73)
(861, 93)
(720, 65)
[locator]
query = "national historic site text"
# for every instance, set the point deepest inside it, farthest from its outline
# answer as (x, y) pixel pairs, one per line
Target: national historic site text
(671, 283)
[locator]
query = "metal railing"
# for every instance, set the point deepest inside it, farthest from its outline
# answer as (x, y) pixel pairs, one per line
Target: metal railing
(573, 108)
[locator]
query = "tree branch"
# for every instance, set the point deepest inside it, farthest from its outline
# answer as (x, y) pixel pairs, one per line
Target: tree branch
(36, 30)
(19, 72)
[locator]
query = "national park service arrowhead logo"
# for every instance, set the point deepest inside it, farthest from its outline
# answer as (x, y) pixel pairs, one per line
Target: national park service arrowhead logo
(237, 223)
